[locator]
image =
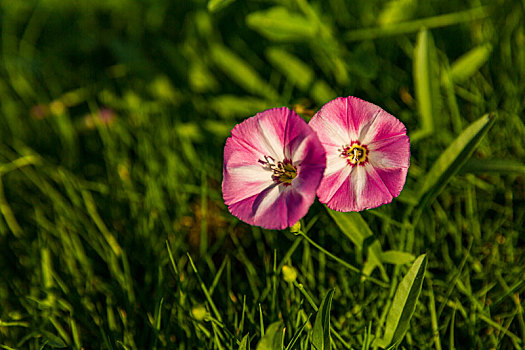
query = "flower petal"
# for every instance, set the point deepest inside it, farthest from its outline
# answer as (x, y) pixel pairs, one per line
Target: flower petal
(373, 192)
(331, 123)
(251, 209)
(353, 188)
(381, 127)
(392, 152)
(335, 189)
(264, 132)
(248, 186)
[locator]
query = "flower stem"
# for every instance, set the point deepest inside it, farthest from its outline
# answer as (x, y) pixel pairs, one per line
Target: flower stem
(342, 262)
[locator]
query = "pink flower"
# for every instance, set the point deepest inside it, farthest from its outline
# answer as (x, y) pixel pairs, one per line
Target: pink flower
(367, 154)
(273, 164)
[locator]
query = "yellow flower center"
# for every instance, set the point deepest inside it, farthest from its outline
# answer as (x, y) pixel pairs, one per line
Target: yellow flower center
(283, 172)
(355, 154)
(286, 173)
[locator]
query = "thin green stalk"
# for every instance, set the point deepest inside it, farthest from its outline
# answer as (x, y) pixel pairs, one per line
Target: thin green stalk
(342, 262)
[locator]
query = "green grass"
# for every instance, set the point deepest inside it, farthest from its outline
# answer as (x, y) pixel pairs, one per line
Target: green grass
(113, 232)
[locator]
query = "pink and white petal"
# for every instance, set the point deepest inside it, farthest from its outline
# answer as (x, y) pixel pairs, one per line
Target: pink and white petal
(252, 209)
(290, 206)
(343, 197)
(390, 153)
(264, 132)
(374, 192)
(334, 188)
(334, 163)
(382, 126)
(361, 114)
(331, 123)
(273, 129)
(237, 153)
(301, 141)
(308, 153)
(394, 179)
(243, 182)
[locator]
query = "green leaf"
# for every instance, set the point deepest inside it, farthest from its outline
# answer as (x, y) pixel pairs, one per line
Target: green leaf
(453, 158)
(468, 64)
(396, 11)
(499, 166)
(241, 72)
(321, 330)
(357, 230)
(425, 70)
(273, 337)
(53, 340)
(322, 92)
(217, 5)
(404, 304)
(295, 70)
(231, 106)
(278, 24)
(396, 257)
(245, 344)
(298, 334)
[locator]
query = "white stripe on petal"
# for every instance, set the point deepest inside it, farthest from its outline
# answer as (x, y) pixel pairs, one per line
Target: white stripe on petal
(270, 140)
(298, 152)
(343, 176)
(270, 197)
(334, 164)
(251, 173)
(358, 180)
(244, 182)
(369, 130)
(330, 132)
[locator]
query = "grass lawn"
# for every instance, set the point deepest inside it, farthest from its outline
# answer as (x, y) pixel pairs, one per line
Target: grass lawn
(113, 229)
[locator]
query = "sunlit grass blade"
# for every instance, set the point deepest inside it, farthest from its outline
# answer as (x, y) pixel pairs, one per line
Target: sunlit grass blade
(321, 331)
(468, 64)
(231, 106)
(241, 72)
(415, 25)
(217, 5)
(497, 166)
(353, 226)
(295, 70)
(279, 24)
(396, 11)
(453, 158)
(245, 343)
(403, 304)
(424, 81)
(205, 290)
(396, 257)
(273, 337)
(298, 334)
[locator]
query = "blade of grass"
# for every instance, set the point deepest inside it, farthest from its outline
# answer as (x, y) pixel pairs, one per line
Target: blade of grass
(468, 64)
(452, 159)
(415, 25)
(205, 290)
(217, 5)
(342, 262)
(497, 166)
(426, 91)
(357, 230)
(321, 331)
(273, 337)
(403, 304)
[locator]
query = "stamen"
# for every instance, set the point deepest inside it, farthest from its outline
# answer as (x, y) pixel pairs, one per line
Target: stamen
(356, 154)
(283, 172)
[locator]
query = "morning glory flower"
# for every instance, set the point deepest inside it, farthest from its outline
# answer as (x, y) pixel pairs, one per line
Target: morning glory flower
(367, 154)
(273, 164)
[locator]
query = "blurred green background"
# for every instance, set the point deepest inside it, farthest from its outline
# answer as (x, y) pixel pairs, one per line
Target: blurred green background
(113, 119)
